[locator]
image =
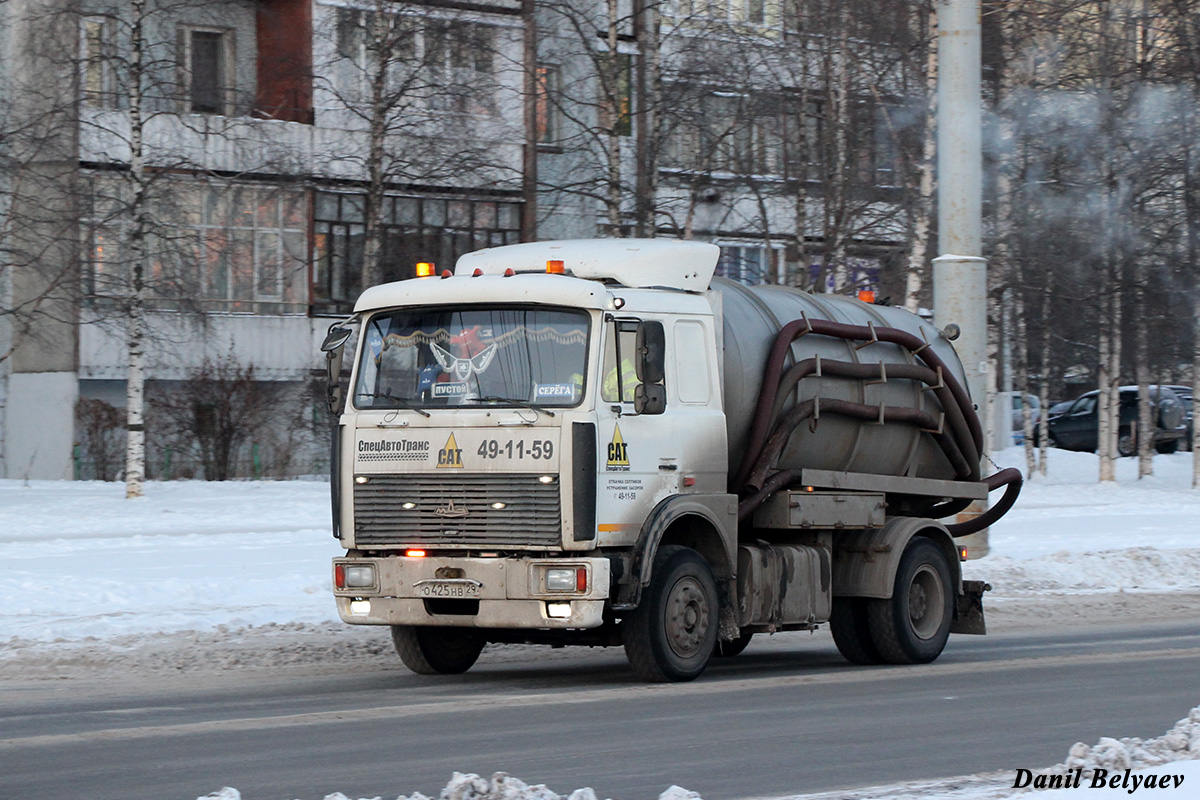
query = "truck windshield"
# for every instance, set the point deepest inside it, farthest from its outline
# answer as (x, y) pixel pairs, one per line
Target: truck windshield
(433, 358)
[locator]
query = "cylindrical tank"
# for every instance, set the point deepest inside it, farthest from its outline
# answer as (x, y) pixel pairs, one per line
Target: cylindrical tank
(753, 316)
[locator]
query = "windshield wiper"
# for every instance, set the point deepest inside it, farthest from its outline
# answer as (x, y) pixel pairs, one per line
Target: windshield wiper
(404, 402)
(491, 398)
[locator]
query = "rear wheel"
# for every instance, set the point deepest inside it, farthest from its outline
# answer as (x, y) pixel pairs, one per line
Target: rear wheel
(913, 625)
(437, 651)
(852, 632)
(1166, 448)
(1126, 444)
(672, 634)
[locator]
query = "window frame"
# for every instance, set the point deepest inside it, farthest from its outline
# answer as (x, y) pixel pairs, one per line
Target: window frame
(226, 90)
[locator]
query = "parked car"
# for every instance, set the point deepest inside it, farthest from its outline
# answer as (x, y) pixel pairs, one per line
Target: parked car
(1184, 393)
(1078, 428)
(1057, 409)
(1018, 425)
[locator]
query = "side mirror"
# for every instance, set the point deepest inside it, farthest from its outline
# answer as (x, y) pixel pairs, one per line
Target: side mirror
(336, 338)
(333, 380)
(651, 347)
(332, 347)
(650, 398)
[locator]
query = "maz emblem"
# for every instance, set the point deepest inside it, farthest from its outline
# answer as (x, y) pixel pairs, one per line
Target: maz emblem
(463, 368)
(451, 511)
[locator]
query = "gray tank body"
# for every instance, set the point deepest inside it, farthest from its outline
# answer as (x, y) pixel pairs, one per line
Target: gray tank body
(753, 316)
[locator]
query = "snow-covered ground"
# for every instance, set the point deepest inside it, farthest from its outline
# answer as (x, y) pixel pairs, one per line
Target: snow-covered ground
(82, 565)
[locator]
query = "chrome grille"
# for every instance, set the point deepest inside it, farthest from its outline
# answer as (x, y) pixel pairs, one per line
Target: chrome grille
(531, 515)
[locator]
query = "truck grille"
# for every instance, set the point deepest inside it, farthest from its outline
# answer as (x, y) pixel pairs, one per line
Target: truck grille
(531, 514)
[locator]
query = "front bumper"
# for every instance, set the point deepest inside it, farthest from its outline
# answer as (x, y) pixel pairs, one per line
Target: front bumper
(504, 593)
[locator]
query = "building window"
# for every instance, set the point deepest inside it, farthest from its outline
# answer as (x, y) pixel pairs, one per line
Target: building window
(748, 264)
(414, 229)
(616, 100)
(460, 56)
(99, 85)
(743, 11)
(211, 247)
(206, 70)
(547, 111)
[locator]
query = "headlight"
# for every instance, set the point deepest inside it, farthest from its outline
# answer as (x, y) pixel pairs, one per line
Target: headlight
(360, 576)
(560, 580)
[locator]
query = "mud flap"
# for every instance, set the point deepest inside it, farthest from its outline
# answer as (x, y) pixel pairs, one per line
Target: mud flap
(968, 615)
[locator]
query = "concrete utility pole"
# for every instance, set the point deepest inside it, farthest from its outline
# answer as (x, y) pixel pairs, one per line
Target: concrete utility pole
(959, 271)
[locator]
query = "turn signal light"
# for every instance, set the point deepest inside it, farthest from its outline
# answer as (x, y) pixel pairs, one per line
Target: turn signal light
(424, 269)
(962, 554)
(555, 267)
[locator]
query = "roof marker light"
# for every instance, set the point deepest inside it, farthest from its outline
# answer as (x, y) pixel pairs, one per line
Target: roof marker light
(476, 273)
(446, 273)
(508, 273)
(424, 269)
(555, 267)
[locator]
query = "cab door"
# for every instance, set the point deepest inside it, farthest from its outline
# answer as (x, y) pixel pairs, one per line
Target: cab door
(638, 454)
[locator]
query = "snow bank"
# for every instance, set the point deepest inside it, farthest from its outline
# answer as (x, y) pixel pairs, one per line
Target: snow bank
(1180, 743)
(1144, 756)
(472, 787)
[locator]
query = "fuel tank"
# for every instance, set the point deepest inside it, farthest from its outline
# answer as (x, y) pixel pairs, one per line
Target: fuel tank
(753, 316)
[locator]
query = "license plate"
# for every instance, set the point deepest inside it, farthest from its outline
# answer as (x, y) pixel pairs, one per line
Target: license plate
(460, 589)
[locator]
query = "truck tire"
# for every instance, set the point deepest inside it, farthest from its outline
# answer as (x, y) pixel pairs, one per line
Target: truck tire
(1126, 444)
(437, 651)
(913, 625)
(733, 647)
(852, 631)
(672, 634)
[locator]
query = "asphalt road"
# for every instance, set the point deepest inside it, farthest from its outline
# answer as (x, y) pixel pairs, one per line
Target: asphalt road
(785, 717)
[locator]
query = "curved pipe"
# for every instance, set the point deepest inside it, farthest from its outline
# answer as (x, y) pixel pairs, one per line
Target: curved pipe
(844, 369)
(770, 486)
(783, 431)
(1011, 479)
(793, 330)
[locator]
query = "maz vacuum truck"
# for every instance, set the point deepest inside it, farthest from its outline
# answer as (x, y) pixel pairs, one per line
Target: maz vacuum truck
(599, 443)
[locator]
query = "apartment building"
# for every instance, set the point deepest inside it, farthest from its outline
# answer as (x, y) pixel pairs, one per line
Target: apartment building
(278, 153)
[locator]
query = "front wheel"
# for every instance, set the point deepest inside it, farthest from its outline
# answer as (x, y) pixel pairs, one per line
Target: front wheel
(913, 625)
(437, 651)
(1126, 445)
(672, 634)
(1168, 447)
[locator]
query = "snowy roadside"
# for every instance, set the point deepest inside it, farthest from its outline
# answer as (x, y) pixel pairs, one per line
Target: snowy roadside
(1164, 766)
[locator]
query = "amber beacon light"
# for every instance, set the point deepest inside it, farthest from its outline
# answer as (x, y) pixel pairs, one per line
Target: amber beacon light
(555, 267)
(425, 269)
